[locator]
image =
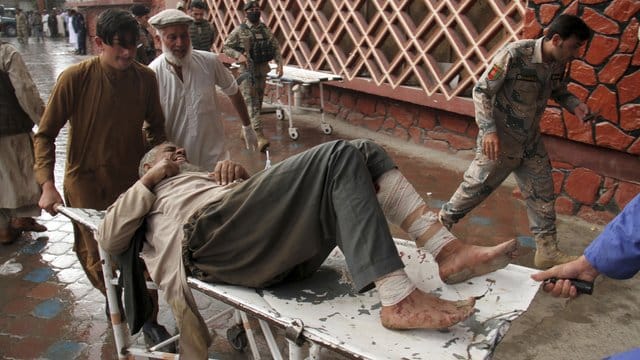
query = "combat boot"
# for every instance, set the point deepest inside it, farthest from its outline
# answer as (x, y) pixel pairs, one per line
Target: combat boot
(548, 254)
(263, 142)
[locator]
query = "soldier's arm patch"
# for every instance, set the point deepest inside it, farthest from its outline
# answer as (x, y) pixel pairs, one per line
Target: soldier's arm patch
(495, 73)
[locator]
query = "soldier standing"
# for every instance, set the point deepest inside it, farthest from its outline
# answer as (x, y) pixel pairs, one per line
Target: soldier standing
(201, 32)
(146, 48)
(510, 98)
(253, 45)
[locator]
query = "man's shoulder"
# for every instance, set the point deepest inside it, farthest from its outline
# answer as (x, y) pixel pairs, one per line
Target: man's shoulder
(520, 48)
(82, 68)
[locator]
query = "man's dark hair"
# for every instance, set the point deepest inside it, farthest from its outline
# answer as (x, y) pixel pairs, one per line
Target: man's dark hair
(118, 22)
(198, 5)
(568, 25)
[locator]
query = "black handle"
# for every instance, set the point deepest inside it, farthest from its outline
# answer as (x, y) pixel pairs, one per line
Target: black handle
(583, 287)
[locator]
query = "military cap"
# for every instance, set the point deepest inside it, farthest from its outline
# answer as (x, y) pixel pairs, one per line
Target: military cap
(170, 17)
(250, 4)
(139, 10)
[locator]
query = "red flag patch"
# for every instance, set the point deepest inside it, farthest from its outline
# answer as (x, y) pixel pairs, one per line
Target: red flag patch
(495, 73)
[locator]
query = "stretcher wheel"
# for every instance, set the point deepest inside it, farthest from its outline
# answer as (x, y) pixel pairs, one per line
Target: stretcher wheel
(279, 114)
(237, 337)
(293, 133)
(326, 128)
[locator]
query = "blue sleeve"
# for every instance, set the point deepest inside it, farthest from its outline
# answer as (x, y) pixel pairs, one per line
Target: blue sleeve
(616, 252)
(627, 355)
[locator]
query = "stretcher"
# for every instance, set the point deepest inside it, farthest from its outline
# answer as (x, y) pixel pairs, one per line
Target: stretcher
(292, 77)
(325, 312)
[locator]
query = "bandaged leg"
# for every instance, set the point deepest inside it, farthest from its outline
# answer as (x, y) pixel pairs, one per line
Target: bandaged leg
(403, 206)
(457, 261)
(406, 307)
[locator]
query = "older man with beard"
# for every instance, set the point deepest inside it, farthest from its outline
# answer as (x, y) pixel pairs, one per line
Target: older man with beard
(187, 81)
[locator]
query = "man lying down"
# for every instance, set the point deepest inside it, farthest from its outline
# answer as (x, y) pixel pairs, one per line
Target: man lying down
(280, 224)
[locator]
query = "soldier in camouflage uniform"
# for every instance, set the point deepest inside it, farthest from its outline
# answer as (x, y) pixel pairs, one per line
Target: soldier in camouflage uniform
(146, 47)
(201, 32)
(510, 99)
(253, 45)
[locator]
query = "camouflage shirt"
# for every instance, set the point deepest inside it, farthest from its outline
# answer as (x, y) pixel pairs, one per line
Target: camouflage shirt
(202, 35)
(242, 37)
(511, 95)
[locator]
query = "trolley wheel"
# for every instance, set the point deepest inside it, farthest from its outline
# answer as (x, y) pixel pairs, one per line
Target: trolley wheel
(293, 133)
(326, 128)
(279, 114)
(237, 337)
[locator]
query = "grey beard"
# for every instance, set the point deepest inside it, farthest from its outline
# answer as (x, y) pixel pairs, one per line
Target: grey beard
(188, 167)
(174, 59)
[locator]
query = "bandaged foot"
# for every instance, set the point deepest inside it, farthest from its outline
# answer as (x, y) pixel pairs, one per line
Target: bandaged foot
(420, 310)
(459, 262)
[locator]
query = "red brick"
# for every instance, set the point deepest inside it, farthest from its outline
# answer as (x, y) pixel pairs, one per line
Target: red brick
(595, 217)
(365, 105)
(542, 1)
(331, 108)
(558, 178)
(347, 100)
(628, 89)
(551, 122)
(614, 69)
(548, 13)
(565, 206)
(571, 9)
(579, 91)
(355, 118)
(629, 37)
(582, 185)
(561, 165)
(415, 133)
(636, 57)
(625, 193)
(609, 188)
(600, 48)
(583, 73)
(603, 101)
(403, 116)
(576, 129)
(453, 122)
(473, 130)
(389, 124)
(400, 133)
(426, 119)
(610, 136)
(622, 10)
(532, 29)
(630, 117)
(591, 2)
(635, 148)
(600, 23)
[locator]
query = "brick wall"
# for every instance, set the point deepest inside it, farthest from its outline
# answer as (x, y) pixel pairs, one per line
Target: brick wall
(596, 167)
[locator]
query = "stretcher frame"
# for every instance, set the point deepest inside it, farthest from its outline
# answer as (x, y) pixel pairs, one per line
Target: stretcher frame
(304, 342)
(291, 77)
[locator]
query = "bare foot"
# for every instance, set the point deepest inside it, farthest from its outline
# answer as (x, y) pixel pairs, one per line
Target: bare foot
(420, 310)
(459, 262)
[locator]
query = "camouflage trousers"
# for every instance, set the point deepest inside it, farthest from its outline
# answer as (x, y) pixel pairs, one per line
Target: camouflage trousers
(533, 175)
(253, 93)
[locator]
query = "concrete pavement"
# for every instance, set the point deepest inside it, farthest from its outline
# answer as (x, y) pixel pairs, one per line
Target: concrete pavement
(48, 308)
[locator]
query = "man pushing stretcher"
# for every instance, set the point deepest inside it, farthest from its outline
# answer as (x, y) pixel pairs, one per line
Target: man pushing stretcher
(280, 224)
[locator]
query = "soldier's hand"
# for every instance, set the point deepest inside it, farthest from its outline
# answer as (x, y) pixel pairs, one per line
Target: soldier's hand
(241, 59)
(583, 113)
(280, 70)
(491, 145)
(250, 137)
(227, 171)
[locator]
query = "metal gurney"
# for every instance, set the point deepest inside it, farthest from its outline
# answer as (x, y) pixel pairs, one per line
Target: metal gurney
(324, 311)
(291, 77)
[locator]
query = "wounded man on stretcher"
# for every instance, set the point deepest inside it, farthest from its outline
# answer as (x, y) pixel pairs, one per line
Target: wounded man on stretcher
(281, 223)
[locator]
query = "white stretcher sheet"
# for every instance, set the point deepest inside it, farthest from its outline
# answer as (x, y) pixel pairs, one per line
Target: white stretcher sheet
(335, 316)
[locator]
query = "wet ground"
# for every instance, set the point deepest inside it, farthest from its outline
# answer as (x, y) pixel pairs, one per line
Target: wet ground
(48, 308)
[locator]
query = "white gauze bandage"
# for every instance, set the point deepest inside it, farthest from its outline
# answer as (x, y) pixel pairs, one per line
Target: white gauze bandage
(399, 199)
(394, 287)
